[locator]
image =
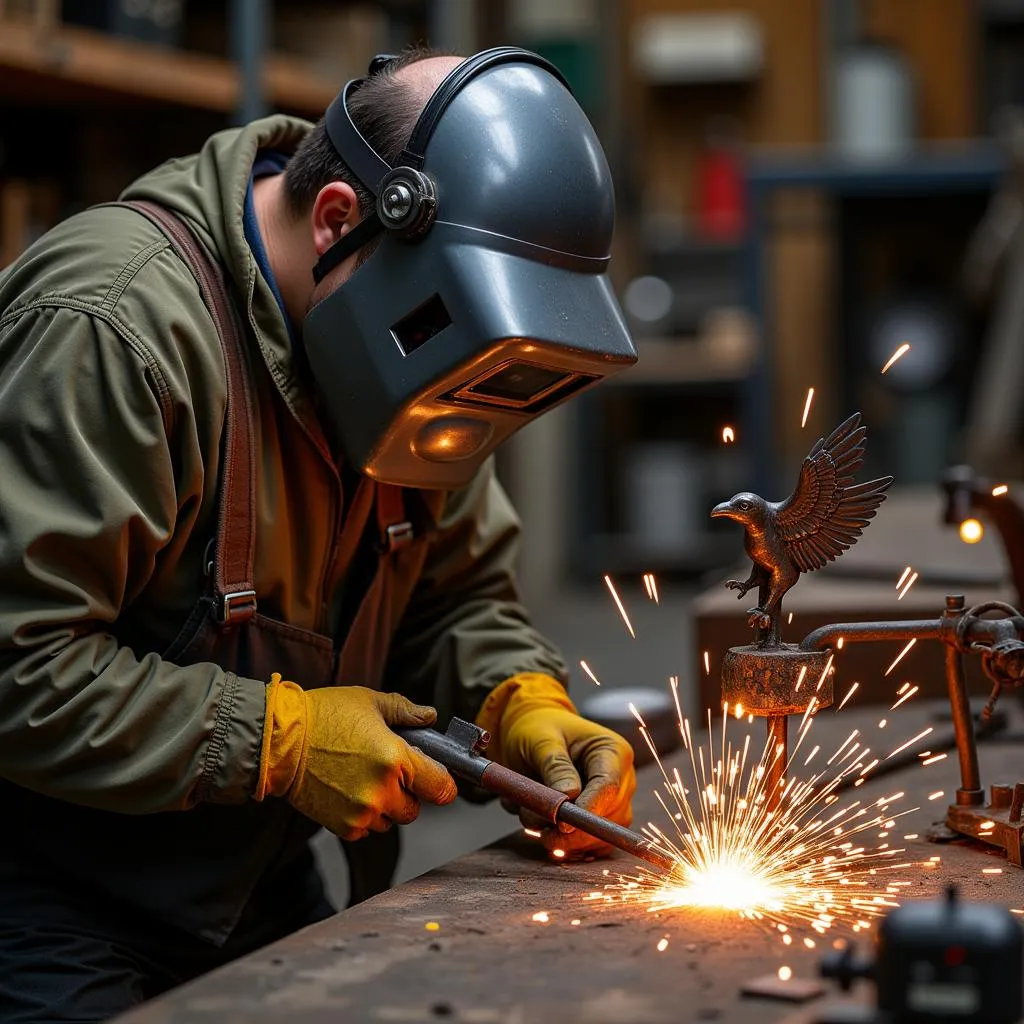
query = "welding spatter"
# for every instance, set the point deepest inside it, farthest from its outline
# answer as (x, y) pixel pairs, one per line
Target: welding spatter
(460, 751)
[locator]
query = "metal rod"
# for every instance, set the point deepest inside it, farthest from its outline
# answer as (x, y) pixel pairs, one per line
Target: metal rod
(970, 792)
(615, 835)
(778, 735)
(824, 637)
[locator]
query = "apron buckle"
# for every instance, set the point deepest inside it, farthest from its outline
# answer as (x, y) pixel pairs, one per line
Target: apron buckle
(237, 607)
(398, 536)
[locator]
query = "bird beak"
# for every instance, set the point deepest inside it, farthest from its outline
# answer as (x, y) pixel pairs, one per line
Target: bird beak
(723, 510)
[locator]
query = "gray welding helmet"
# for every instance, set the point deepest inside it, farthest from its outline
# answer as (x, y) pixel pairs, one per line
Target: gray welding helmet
(486, 302)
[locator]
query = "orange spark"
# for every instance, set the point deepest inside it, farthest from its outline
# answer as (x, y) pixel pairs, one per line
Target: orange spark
(807, 407)
(999, 490)
(910, 693)
(903, 746)
(849, 693)
(991, 871)
(785, 973)
(933, 759)
(936, 795)
(898, 354)
(728, 435)
(542, 916)
(586, 668)
(707, 663)
(651, 585)
(971, 531)
(909, 584)
(622, 611)
(903, 577)
(662, 945)
(900, 656)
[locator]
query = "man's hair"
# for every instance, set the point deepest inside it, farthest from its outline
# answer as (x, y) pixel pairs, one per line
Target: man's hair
(385, 111)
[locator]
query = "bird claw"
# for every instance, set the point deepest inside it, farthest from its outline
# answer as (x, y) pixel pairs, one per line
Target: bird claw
(737, 585)
(759, 618)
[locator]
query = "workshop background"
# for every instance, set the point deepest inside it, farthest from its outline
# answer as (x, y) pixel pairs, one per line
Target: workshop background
(802, 186)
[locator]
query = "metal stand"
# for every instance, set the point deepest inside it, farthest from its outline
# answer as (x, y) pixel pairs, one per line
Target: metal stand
(999, 642)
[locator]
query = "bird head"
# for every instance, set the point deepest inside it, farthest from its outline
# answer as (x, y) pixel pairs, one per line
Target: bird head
(746, 508)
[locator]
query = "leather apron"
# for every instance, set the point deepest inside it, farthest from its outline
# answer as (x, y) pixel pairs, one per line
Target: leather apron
(196, 869)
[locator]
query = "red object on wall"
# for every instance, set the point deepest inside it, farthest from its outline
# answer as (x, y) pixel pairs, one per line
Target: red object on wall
(721, 210)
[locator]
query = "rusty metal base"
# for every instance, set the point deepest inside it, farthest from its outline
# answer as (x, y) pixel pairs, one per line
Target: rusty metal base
(1003, 817)
(778, 680)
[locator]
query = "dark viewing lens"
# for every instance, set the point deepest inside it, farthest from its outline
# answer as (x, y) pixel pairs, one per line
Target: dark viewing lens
(517, 382)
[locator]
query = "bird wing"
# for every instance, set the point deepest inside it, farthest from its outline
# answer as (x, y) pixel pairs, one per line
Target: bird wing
(827, 512)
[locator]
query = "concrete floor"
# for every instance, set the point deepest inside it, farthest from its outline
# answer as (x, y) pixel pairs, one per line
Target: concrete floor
(586, 625)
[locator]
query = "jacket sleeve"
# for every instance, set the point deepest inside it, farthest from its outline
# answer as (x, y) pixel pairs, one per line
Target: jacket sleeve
(88, 498)
(466, 630)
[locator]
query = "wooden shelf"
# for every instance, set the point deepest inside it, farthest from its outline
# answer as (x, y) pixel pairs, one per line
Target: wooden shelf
(64, 64)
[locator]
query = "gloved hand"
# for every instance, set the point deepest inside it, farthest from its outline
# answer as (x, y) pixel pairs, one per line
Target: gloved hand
(536, 730)
(332, 754)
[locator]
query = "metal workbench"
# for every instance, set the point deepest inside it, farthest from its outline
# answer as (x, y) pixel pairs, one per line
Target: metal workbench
(490, 963)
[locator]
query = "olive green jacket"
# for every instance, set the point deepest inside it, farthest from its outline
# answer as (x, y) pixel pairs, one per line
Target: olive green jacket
(112, 404)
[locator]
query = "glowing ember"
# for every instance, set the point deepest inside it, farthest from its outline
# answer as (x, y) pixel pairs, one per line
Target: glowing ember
(432, 926)
(728, 435)
(662, 945)
(541, 916)
(898, 354)
(785, 973)
(707, 663)
(971, 531)
(586, 668)
(618, 604)
(999, 490)
(796, 864)
(936, 795)
(651, 585)
(575, 922)
(558, 853)
(903, 577)
(807, 407)
(991, 871)
(532, 832)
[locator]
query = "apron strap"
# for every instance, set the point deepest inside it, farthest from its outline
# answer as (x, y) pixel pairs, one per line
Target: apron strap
(234, 590)
(396, 531)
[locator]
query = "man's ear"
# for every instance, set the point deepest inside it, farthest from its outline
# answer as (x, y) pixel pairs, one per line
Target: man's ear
(335, 212)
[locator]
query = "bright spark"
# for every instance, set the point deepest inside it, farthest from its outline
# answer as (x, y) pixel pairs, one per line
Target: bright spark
(991, 871)
(790, 619)
(936, 795)
(910, 742)
(882, 722)
(898, 354)
(798, 864)
(432, 926)
(728, 435)
(575, 922)
(785, 973)
(618, 603)
(906, 696)
(910, 582)
(542, 917)
(707, 663)
(586, 668)
(662, 945)
(807, 407)
(903, 577)
(999, 490)
(651, 585)
(933, 759)
(849, 693)
(899, 657)
(971, 531)
(532, 832)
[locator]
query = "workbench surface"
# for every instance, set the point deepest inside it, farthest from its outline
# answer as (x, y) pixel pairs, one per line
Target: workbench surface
(490, 963)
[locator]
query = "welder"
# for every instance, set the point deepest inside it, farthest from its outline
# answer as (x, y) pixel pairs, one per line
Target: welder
(249, 520)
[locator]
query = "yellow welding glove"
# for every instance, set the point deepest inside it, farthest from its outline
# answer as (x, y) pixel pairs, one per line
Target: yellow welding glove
(332, 754)
(537, 731)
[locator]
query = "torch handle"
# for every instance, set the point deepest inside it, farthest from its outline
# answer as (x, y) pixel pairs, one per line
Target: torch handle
(544, 801)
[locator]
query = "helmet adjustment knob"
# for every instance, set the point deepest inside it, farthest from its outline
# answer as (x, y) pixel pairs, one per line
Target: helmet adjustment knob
(406, 204)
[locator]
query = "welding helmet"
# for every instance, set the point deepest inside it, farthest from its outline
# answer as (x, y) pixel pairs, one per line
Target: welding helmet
(486, 301)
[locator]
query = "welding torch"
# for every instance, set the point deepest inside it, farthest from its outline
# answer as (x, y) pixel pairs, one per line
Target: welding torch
(460, 751)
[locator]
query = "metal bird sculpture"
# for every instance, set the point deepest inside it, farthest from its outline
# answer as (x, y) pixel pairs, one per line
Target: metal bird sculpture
(820, 520)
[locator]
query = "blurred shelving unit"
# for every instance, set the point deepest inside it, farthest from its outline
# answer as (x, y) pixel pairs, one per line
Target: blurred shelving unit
(920, 210)
(107, 89)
